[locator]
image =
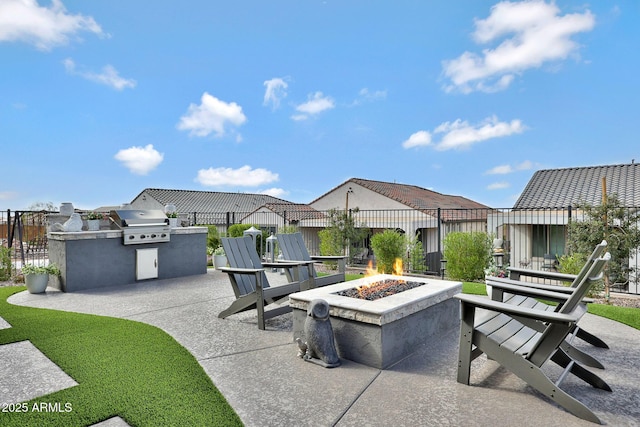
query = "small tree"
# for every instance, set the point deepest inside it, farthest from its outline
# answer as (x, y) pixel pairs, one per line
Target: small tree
(387, 247)
(213, 237)
(614, 223)
(415, 260)
(341, 233)
(467, 255)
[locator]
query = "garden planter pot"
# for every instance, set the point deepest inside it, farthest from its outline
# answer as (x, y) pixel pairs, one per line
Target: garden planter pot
(219, 261)
(93, 224)
(173, 222)
(36, 283)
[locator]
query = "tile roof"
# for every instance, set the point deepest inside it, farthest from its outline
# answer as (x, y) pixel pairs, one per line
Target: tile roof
(417, 197)
(560, 188)
(210, 201)
(295, 211)
(422, 199)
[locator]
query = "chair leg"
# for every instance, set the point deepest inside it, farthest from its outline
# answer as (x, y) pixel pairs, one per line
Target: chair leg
(260, 301)
(590, 338)
(581, 356)
(466, 335)
(563, 360)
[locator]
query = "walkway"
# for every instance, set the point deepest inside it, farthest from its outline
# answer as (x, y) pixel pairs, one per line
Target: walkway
(268, 385)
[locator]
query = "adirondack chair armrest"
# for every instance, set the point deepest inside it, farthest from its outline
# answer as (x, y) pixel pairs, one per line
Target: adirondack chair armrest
(296, 266)
(328, 257)
(540, 286)
(515, 273)
(232, 270)
(285, 264)
(341, 259)
(528, 292)
(475, 301)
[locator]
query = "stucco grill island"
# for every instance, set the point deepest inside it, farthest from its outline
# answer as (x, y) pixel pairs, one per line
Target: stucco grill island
(382, 332)
(138, 246)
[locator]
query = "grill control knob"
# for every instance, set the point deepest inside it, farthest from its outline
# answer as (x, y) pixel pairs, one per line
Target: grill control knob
(163, 235)
(142, 236)
(131, 237)
(153, 236)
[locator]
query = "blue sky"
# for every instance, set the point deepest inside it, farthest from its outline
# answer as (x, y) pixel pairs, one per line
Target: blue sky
(101, 99)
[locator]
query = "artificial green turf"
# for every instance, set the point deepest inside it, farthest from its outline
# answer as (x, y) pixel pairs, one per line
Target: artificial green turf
(124, 368)
(627, 315)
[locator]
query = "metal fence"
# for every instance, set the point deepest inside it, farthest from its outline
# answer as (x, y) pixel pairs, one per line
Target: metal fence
(533, 238)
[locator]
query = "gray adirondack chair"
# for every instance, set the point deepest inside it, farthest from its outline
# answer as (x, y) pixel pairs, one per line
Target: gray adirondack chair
(293, 249)
(250, 283)
(505, 291)
(523, 339)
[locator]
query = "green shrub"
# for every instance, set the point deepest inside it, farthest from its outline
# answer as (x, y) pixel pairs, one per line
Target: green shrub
(330, 242)
(5, 263)
(41, 269)
(467, 255)
(415, 261)
(572, 264)
(213, 237)
(387, 246)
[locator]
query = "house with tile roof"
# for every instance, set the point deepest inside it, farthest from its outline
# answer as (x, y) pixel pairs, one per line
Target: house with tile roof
(412, 209)
(204, 207)
(539, 218)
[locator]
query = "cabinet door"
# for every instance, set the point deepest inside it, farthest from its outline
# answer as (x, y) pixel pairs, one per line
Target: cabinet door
(146, 263)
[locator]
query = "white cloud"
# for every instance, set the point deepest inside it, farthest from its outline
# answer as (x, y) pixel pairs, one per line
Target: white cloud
(365, 95)
(243, 177)
(507, 169)
(316, 104)
(276, 89)
(109, 76)
(43, 27)
(140, 160)
(460, 134)
(418, 139)
(212, 115)
(500, 170)
(532, 33)
(275, 192)
(498, 186)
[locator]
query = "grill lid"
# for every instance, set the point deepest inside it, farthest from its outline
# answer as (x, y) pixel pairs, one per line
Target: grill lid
(139, 217)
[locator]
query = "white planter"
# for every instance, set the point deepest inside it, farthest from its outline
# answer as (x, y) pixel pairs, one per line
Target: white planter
(93, 224)
(36, 283)
(173, 222)
(66, 209)
(219, 261)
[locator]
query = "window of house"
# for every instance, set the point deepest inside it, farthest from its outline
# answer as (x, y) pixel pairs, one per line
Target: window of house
(548, 239)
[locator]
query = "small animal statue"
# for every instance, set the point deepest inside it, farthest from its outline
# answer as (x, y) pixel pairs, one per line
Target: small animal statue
(74, 223)
(320, 345)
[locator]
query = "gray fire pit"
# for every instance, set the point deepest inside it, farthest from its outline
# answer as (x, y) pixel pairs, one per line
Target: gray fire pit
(382, 332)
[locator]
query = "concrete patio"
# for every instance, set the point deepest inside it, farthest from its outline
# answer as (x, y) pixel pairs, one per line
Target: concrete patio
(268, 385)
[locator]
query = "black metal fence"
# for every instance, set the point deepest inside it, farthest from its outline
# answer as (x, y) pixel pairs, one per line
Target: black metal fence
(522, 238)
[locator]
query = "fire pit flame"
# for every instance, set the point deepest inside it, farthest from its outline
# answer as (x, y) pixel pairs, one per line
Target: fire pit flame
(368, 288)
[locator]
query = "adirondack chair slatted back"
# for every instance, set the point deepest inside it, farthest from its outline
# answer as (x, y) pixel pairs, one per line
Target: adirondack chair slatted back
(294, 249)
(597, 252)
(582, 288)
(554, 334)
(242, 254)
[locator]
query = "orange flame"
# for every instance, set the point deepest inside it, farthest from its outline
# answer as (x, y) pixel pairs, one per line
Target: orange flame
(370, 271)
(397, 267)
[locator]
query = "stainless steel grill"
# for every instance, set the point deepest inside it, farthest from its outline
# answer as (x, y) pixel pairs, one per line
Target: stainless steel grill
(142, 226)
